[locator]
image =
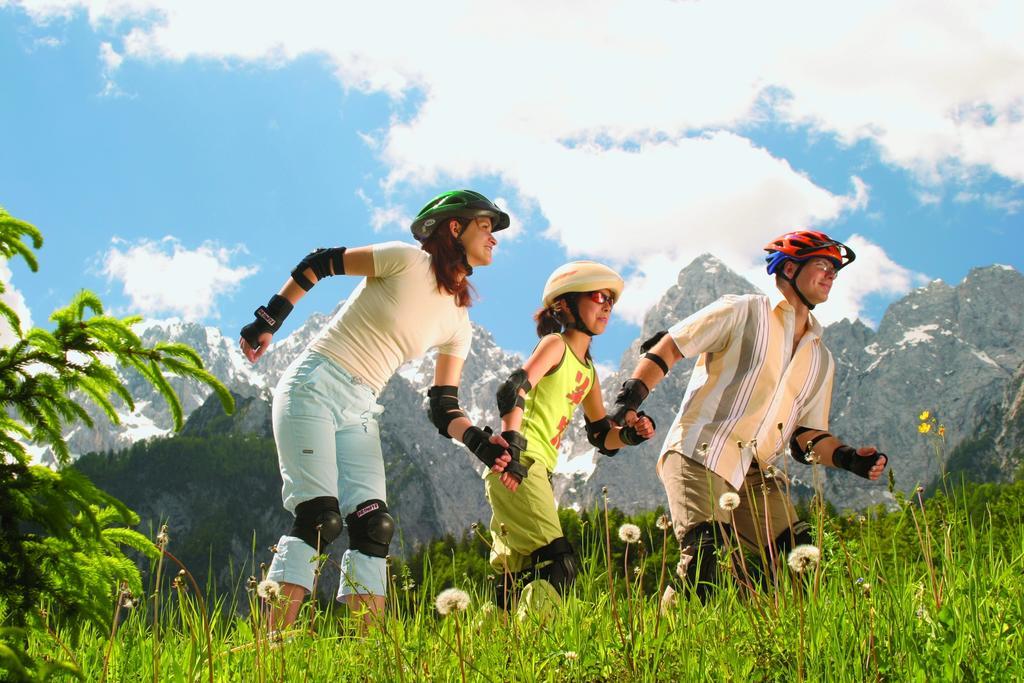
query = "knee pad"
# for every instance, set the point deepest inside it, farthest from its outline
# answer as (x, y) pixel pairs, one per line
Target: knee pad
(798, 534)
(561, 568)
(317, 520)
(702, 543)
(370, 528)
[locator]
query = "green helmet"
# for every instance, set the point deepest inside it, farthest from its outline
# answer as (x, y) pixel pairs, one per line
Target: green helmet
(457, 204)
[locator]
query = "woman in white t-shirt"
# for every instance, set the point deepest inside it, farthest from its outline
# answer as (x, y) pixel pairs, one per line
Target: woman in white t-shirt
(324, 410)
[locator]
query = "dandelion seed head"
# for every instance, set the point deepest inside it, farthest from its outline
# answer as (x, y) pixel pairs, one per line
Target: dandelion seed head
(664, 523)
(273, 549)
(630, 533)
(771, 472)
(163, 538)
(251, 584)
(804, 557)
(570, 656)
(861, 519)
(729, 501)
(503, 529)
(451, 600)
(919, 489)
(268, 589)
(604, 491)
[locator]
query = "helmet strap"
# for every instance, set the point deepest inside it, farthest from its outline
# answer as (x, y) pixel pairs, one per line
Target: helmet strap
(572, 301)
(462, 248)
(792, 282)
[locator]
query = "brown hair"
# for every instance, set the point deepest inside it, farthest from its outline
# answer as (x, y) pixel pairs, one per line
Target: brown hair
(550, 321)
(555, 321)
(446, 260)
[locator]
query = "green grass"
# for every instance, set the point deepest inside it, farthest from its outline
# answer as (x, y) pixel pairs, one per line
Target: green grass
(878, 613)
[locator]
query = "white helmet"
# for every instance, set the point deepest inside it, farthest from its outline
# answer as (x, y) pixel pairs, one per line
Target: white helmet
(581, 276)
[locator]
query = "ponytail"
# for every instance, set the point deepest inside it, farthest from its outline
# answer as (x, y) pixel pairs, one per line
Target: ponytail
(549, 321)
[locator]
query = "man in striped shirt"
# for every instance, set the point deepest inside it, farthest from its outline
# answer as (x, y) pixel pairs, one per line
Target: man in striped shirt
(762, 382)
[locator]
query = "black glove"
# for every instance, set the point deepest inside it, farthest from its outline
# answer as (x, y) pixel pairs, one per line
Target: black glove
(479, 442)
(630, 436)
(631, 395)
(516, 445)
(846, 457)
(269, 318)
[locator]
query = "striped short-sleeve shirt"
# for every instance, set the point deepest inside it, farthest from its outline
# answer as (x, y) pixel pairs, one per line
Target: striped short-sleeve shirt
(748, 381)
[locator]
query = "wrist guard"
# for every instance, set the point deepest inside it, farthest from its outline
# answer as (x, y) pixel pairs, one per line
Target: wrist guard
(631, 395)
(629, 435)
(846, 458)
(478, 441)
(269, 318)
(322, 262)
(516, 445)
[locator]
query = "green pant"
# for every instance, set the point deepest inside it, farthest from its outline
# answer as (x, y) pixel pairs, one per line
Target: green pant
(529, 515)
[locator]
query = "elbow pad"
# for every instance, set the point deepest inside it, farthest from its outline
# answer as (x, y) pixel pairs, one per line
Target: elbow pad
(321, 262)
(645, 350)
(443, 407)
(597, 432)
(508, 393)
(799, 448)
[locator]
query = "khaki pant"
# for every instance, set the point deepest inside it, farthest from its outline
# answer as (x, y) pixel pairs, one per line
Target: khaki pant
(693, 492)
(530, 516)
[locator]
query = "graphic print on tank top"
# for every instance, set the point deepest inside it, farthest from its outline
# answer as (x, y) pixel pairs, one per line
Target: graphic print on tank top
(575, 397)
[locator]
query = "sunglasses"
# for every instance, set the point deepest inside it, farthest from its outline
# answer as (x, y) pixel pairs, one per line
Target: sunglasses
(601, 298)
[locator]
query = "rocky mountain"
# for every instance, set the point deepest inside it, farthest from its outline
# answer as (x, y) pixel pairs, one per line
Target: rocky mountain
(954, 350)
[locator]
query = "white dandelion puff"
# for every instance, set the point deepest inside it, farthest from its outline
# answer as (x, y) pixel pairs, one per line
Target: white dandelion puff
(664, 523)
(630, 533)
(804, 557)
(451, 599)
(268, 589)
(729, 501)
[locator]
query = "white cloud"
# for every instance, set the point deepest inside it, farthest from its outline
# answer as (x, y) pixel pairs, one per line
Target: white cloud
(1000, 201)
(111, 61)
(110, 58)
(932, 84)
(622, 121)
(13, 298)
(165, 278)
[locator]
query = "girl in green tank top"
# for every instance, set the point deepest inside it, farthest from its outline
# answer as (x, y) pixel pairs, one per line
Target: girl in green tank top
(537, 404)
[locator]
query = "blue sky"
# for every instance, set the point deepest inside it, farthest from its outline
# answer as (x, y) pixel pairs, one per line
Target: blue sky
(180, 159)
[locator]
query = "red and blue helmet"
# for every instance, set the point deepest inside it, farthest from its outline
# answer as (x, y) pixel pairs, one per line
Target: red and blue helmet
(801, 245)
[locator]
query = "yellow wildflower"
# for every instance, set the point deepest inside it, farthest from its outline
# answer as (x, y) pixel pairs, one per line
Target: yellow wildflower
(924, 428)
(924, 416)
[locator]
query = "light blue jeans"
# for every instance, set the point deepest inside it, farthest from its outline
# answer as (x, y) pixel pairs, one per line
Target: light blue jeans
(328, 444)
